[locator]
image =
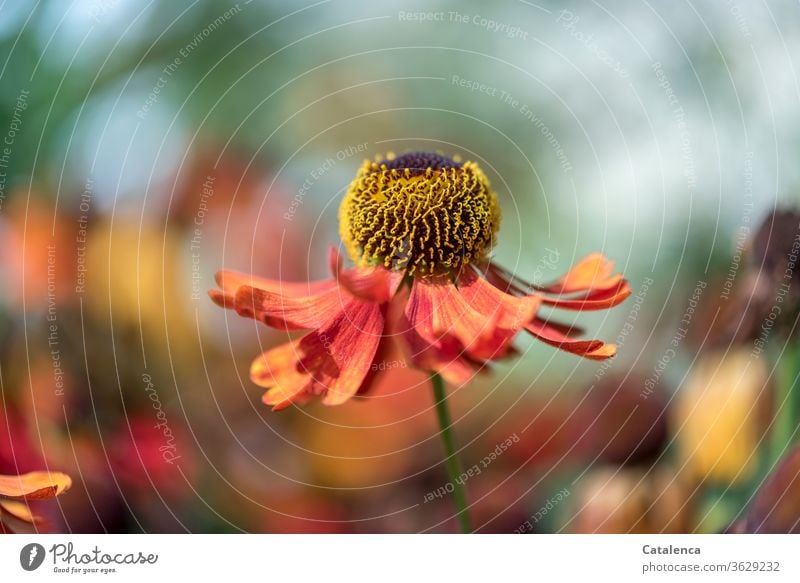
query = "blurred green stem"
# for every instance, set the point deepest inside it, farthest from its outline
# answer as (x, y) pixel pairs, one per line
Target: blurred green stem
(454, 470)
(787, 401)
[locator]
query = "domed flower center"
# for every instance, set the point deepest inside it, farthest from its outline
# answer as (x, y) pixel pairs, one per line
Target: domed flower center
(420, 212)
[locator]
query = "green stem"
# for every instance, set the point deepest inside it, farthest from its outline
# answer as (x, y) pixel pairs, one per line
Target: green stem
(454, 470)
(787, 397)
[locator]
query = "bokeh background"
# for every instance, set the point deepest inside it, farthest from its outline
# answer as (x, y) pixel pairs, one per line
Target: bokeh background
(145, 145)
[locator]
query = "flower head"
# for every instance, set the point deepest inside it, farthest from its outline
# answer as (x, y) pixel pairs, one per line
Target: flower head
(420, 212)
(419, 228)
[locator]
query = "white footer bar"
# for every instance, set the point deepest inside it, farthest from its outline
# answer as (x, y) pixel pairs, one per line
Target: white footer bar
(378, 558)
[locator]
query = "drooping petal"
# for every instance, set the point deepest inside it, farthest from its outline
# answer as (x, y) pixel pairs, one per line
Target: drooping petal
(592, 349)
(593, 272)
(566, 329)
(34, 485)
(603, 290)
(441, 332)
(511, 312)
(18, 510)
(303, 306)
(230, 282)
(594, 300)
(453, 365)
(389, 354)
(386, 358)
(289, 312)
(505, 281)
(332, 360)
(355, 338)
(454, 321)
(372, 284)
(423, 348)
(279, 371)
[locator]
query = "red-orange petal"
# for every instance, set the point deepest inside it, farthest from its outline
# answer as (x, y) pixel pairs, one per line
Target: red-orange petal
(455, 320)
(441, 332)
(333, 360)
(230, 282)
(34, 485)
(424, 350)
(566, 329)
(606, 351)
(510, 312)
(386, 358)
(592, 349)
(289, 312)
(372, 284)
(453, 365)
(277, 370)
(355, 341)
(594, 300)
(19, 511)
(593, 272)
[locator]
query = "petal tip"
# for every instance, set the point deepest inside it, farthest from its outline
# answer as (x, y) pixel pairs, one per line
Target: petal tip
(218, 297)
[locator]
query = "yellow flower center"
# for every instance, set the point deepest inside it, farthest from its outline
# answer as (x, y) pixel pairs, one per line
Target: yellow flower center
(419, 212)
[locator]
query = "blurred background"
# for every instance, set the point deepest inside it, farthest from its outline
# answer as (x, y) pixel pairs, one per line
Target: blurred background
(147, 145)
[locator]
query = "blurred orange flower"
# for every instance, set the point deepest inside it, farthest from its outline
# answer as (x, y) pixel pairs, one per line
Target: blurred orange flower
(17, 491)
(36, 256)
(420, 228)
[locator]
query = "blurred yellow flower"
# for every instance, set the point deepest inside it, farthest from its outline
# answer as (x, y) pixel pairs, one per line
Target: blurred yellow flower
(719, 415)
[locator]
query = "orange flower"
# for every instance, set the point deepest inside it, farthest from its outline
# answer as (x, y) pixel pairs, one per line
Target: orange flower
(419, 228)
(17, 491)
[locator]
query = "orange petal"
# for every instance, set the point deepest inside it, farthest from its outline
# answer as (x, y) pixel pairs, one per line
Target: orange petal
(602, 353)
(566, 329)
(231, 281)
(423, 354)
(512, 313)
(505, 281)
(223, 301)
(486, 334)
(289, 312)
(592, 349)
(355, 339)
(441, 315)
(594, 300)
(277, 370)
(18, 510)
(34, 485)
(372, 284)
(443, 333)
(332, 360)
(385, 358)
(453, 365)
(593, 272)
